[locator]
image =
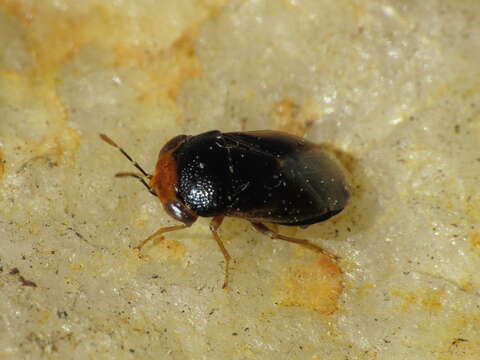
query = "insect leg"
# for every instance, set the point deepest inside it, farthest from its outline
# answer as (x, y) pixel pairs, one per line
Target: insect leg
(159, 232)
(275, 235)
(214, 225)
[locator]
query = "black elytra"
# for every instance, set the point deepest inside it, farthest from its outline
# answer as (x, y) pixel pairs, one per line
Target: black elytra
(264, 176)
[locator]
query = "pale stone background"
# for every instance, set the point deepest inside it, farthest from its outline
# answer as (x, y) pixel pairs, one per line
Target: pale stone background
(393, 84)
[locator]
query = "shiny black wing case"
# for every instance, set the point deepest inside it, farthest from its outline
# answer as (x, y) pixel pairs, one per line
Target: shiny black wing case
(264, 176)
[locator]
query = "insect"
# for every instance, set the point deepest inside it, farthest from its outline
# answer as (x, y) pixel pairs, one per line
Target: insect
(260, 176)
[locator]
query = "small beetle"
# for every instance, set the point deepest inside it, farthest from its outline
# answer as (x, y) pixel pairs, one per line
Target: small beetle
(261, 176)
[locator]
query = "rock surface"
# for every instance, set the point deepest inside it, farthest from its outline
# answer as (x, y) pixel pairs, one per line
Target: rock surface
(392, 84)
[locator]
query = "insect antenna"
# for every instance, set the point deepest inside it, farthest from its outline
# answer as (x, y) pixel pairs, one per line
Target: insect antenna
(112, 143)
(134, 163)
(139, 177)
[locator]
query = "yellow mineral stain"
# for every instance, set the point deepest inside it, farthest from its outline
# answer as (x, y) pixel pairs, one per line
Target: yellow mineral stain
(473, 209)
(163, 249)
(44, 316)
(358, 9)
(290, 117)
(475, 242)
(59, 145)
(134, 259)
(24, 11)
(140, 222)
(430, 299)
(57, 139)
(409, 298)
(315, 286)
(55, 36)
(167, 250)
(46, 252)
(61, 141)
(166, 70)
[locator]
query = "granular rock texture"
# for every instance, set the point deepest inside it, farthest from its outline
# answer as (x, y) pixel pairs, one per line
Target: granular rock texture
(392, 86)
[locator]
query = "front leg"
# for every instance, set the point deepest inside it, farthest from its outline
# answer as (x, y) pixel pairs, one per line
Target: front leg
(159, 232)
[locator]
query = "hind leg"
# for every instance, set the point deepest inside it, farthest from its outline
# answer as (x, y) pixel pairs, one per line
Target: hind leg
(275, 235)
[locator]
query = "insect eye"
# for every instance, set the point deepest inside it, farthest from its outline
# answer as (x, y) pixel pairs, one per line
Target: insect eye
(180, 212)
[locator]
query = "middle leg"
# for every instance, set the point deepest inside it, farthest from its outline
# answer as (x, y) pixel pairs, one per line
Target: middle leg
(214, 225)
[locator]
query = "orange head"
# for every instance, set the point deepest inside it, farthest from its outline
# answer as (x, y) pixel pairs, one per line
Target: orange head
(164, 182)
